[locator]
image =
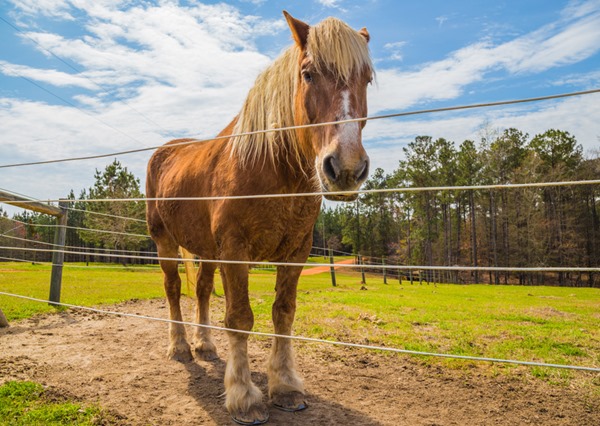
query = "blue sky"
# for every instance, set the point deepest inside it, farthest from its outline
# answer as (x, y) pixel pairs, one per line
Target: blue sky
(82, 77)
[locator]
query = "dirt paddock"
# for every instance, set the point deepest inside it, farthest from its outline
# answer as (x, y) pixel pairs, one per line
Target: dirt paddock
(120, 364)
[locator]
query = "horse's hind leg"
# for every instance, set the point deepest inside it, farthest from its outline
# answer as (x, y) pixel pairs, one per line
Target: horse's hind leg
(204, 346)
(285, 387)
(179, 349)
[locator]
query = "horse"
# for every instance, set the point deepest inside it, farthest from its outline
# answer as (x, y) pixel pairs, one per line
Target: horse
(321, 78)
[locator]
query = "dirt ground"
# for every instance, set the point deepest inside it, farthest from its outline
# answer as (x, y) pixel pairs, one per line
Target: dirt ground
(120, 364)
(320, 269)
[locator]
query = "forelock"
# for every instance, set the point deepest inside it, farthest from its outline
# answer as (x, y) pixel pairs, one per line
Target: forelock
(336, 47)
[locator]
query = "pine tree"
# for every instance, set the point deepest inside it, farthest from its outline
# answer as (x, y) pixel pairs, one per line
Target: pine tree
(116, 216)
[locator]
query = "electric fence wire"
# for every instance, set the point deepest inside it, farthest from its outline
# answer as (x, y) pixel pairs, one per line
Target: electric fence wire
(349, 265)
(78, 228)
(28, 240)
(360, 191)
(305, 126)
(395, 115)
(79, 73)
(307, 339)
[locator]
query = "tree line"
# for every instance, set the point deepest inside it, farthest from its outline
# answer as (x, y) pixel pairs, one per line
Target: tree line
(109, 230)
(507, 227)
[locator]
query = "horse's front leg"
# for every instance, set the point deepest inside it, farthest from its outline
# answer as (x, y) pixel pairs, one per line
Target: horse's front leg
(285, 387)
(244, 400)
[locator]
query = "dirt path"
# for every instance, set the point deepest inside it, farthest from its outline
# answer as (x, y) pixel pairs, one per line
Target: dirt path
(120, 364)
(320, 269)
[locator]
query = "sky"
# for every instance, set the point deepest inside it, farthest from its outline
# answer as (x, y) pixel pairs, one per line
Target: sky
(84, 77)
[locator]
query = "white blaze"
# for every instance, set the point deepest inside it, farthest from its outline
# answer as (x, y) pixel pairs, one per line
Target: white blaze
(348, 132)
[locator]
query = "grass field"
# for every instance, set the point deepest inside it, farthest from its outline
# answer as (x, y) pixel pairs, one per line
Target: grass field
(29, 404)
(547, 324)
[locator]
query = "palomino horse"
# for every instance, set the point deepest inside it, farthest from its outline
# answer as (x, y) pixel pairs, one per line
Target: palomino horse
(323, 77)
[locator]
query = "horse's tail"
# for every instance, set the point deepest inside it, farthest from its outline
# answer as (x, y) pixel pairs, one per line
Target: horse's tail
(190, 270)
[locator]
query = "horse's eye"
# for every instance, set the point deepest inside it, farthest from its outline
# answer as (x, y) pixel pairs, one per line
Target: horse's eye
(307, 77)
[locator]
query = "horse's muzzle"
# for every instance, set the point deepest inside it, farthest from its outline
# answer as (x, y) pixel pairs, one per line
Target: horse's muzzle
(336, 177)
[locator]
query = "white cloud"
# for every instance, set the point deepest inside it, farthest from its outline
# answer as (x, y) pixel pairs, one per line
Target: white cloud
(588, 80)
(579, 8)
(395, 50)
(440, 80)
(384, 139)
(50, 76)
(50, 8)
(551, 46)
(174, 63)
(440, 20)
(184, 71)
(180, 71)
(329, 3)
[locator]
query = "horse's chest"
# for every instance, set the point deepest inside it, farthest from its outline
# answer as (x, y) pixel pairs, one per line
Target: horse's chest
(282, 229)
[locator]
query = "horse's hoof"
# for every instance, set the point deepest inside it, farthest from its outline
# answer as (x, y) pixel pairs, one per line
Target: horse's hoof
(206, 353)
(183, 355)
(258, 414)
(291, 401)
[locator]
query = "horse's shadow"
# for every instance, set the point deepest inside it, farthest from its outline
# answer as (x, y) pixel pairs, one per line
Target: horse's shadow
(210, 396)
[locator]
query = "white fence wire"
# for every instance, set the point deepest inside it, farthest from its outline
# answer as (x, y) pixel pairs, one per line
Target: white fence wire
(300, 264)
(360, 191)
(305, 126)
(311, 339)
(260, 196)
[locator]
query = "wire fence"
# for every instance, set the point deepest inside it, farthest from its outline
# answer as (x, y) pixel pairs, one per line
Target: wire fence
(305, 126)
(303, 264)
(356, 192)
(312, 194)
(310, 339)
(374, 264)
(78, 228)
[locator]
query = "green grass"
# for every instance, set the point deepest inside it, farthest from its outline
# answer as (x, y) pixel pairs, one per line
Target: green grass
(27, 404)
(547, 324)
(80, 286)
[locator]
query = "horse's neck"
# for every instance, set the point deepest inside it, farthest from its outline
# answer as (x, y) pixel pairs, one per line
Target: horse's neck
(298, 171)
(295, 172)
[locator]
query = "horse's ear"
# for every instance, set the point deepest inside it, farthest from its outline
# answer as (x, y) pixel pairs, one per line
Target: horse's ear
(363, 32)
(299, 29)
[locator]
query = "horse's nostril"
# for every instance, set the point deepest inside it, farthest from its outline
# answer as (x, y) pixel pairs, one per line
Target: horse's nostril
(363, 171)
(331, 168)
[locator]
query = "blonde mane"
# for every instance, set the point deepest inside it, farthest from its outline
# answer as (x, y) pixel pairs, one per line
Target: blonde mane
(334, 47)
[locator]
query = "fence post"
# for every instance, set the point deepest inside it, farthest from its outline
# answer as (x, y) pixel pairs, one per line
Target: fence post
(3, 320)
(384, 270)
(399, 273)
(58, 255)
(362, 269)
(332, 268)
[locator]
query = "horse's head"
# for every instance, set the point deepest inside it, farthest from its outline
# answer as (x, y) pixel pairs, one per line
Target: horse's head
(333, 73)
